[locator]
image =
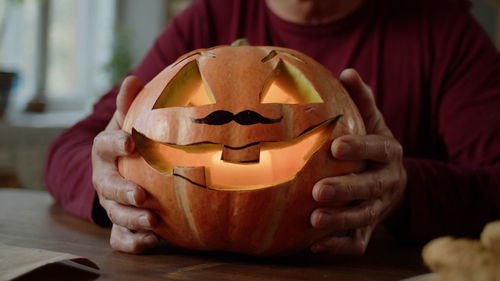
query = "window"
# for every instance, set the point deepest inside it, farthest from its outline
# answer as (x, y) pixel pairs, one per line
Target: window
(59, 50)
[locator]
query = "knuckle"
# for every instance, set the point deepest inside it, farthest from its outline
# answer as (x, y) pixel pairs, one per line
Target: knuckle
(395, 178)
(359, 247)
(113, 188)
(116, 193)
(370, 215)
(398, 151)
(102, 201)
(348, 187)
(361, 146)
(130, 222)
(378, 186)
(97, 143)
(391, 149)
(112, 214)
(387, 152)
(97, 183)
(114, 242)
(102, 185)
(119, 192)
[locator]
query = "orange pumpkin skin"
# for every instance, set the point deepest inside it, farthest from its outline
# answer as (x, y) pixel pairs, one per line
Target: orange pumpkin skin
(264, 221)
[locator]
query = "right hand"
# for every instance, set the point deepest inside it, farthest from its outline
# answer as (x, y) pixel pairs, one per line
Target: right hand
(122, 199)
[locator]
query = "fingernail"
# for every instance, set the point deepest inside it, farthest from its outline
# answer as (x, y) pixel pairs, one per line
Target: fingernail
(131, 197)
(150, 239)
(343, 149)
(144, 222)
(317, 219)
(317, 191)
(323, 192)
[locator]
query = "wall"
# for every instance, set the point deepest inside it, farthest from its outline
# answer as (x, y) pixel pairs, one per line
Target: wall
(22, 154)
(143, 20)
(24, 143)
(487, 13)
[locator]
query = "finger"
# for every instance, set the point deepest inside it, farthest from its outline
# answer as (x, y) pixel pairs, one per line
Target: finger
(352, 217)
(129, 89)
(368, 185)
(129, 217)
(124, 240)
(354, 244)
(362, 95)
(378, 148)
(111, 185)
(110, 144)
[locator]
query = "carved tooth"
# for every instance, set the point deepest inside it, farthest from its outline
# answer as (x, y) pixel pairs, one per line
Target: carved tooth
(242, 155)
(193, 175)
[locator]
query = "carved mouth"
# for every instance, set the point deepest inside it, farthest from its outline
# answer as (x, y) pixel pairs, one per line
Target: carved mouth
(278, 162)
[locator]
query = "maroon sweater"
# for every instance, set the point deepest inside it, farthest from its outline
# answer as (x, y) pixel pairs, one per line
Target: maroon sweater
(436, 79)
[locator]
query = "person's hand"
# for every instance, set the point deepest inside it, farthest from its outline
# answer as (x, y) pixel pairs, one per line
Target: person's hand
(122, 199)
(373, 193)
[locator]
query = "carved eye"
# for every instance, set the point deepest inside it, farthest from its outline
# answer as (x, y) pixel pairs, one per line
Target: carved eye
(287, 85)
(187, 88)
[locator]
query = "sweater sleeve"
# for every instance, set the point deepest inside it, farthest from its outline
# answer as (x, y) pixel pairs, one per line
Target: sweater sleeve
(461, 193)
(68, 169)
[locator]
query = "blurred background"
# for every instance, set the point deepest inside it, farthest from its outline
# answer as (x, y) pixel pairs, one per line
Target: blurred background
(57, 57)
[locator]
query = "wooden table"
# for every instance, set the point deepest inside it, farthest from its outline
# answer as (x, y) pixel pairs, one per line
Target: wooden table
(32, 219)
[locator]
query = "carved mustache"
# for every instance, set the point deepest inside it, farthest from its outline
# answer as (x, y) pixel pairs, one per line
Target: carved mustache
(246, 117)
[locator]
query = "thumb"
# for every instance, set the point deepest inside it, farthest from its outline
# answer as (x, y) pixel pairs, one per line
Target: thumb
(129, 89)
(362, 95)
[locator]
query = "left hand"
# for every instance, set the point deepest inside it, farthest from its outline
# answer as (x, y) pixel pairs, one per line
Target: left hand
(122, 199)
(374, 192)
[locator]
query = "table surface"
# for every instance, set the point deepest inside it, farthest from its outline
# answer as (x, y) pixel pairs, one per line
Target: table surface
(30, 218)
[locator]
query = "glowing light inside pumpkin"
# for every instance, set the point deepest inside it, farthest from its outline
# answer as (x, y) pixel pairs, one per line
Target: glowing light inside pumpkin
(200, 96)
(279, 161)
(287, 85)
(187, 88)
(275, 94)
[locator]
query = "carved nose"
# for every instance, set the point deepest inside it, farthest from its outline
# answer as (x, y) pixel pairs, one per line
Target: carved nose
(245, 154)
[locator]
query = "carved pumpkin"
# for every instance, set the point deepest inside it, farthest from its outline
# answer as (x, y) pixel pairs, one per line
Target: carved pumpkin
(230, 142)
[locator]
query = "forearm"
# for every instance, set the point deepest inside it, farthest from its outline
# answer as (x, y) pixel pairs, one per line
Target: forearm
(445, 199)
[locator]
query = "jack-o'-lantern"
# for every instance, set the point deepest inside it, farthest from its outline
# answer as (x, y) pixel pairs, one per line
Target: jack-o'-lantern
(230, 142)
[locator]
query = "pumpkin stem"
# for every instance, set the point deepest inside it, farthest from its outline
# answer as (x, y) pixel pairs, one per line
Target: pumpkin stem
(240, 42)
(269, 56)
(274, 53)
